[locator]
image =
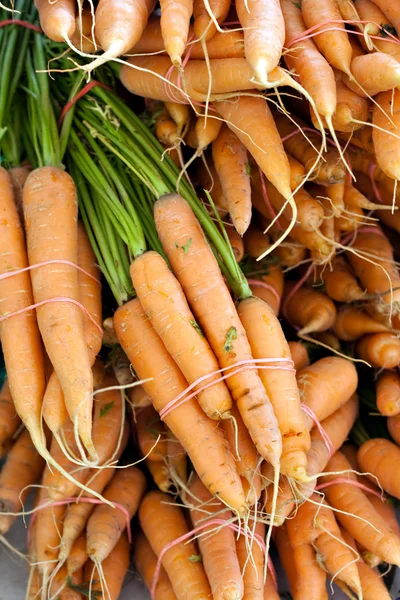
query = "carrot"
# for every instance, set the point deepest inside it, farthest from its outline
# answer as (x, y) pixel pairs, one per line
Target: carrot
(337, 426)
(179, 113)
(326, 385)
(268, 341)
(352, 322)
(176, 457)
(380, 350)
(188, 423)
(209, 181)
(202, 283)
(387, 510)
(255, 241)
(226, 44)
(112, 572)
(160, 474)
(392, 13)
(48, 533)
(334, 45)
(340, 282)
(309, 309)
(138, 397)
(369, 11)
(83, 37)
(251, 561)
(315, 74)
(175, 19)
(299, 355)
(310, 576)
(149, 428)
(106, 524)
(376, 457)
(163, 522)
(372, 586)
(386, 116)
(116, 36)
(388, 393)
(55, 412)
(52, 189)
(217, 548)
(275, 280)
(57, 19)
(207, 129)
(78, 555)
(26, 385)
(389, 219)
(166, 130)
(21, 469)
(286, 555)
(393, 424)
(353, 198)
(164, 303)
(9, 420)
(264, 35)
(291, 252)
(231, 164)
(315, 525)
(236, 242)
(146, 562)
(18, 176)
(374, 73)
(245, 453)
(59, 587)
(204, 25)
(372, 532)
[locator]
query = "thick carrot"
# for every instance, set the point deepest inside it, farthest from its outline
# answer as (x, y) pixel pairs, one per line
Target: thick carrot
(309, 309)
(373, 73)
(163, 522)
(189, 424)
(369, 11)
(352, 322)
(175, 20)
(231, 163)
(251, 561)
(50, 211)
(146, 562)
(176, 457)
(164, 303)
(264, 35)
(340, 282)
(386, 116)
(376, 457)
(310, 576)
(334, 45)
(160, 474)
(57, 19)
(299, 355)
(22, 468)
(78, 555)
(202, 283)
(372, 532)
(106, 524)
(9, 420)
(326, 385)
(217, 548)
(204, 26)
(380, 350)
(18, 176)
(267, 340)
(112, 572)
(149, 429)
(388, 393)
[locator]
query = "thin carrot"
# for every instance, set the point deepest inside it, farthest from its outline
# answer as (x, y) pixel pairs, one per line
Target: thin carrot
(112, 572)
(380, 350)
(231, 163)
(164, 522)
(236, 242)
(48, 533)
(204, 25)
(251, 561)
(9, 420)
(179, 113)
(138, 397)
(352, 322)
(309, 309)
(78, 555)
(340, 282)
(189, 424)
(149, 429)
(202, 283)
(146, 562)
(18, 177)
(160, 474)
(255, 241)
(175, 19)
(164, 303)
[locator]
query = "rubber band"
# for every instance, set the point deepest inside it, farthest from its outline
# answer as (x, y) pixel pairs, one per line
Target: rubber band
(296, 132)
(266, 199)
(371, 175)
(189, 534)
(358, 484)
(349, 239)
(243, 366)
(295, 289)
(22, 23)
(327, 440)
(266, 286)
(85, 90)
(168, 88)
(59, 299)
(84, 500)
(48, 262)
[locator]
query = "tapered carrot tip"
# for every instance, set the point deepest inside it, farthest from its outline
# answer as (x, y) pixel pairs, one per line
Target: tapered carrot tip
(260, 73)
(294, 464)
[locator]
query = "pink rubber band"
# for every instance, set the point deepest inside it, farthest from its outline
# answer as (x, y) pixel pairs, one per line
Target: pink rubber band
(59, 299)
(316, 30)
(188, 535)
(371, 175)
(327, 440)
(48, 262)
(267, 201)
(353, 482)
(84, 500)
(266, 286)
(25, 24)
(296, 132)
(349, 239)
(295, 289)
(243, 366)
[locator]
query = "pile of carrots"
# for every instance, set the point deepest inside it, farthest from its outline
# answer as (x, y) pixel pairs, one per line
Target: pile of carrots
(200, 298)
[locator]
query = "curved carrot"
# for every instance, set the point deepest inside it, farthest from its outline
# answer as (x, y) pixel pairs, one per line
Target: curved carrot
(340, 282)
(164, 303)
(189, 424)
(309, 309)
(352, 322)
(380, 350)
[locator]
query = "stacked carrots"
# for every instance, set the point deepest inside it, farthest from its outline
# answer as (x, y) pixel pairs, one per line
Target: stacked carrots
(244, 227)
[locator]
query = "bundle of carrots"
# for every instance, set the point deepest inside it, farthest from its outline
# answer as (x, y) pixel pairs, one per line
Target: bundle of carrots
(244, 227)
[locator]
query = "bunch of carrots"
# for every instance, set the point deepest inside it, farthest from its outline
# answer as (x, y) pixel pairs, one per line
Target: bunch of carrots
(199, 299)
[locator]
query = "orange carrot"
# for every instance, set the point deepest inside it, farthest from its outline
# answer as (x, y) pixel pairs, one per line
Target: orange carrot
(255, 241)
(146, 562)
(48, 533)
(275, 280)
(352, 322)
(251, 561)
(77, 555)
(299, 355)
(217, 548)
(380, 350)
(202, 283)
(176, 457)
(290, 253)
(189, 424)
(57, 19)
(175, 19)
(9, 420)
(162, 523)
(164, 303)
(264, 35)
(236, 242)
(309, 309)
(340, 282)
(83, 37)
(113, 571)
(204, 25)
(386, 116)
(393, 424)
(18, 176)
(179, 113)
(138, 397)
(369, 11)
(391, 12)
(388, 393)
(376, 457)
(149, 429)
(268, 341)
(374, 73)
(286, 555)
(160, 474)
(207, 129)
(231, 164)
